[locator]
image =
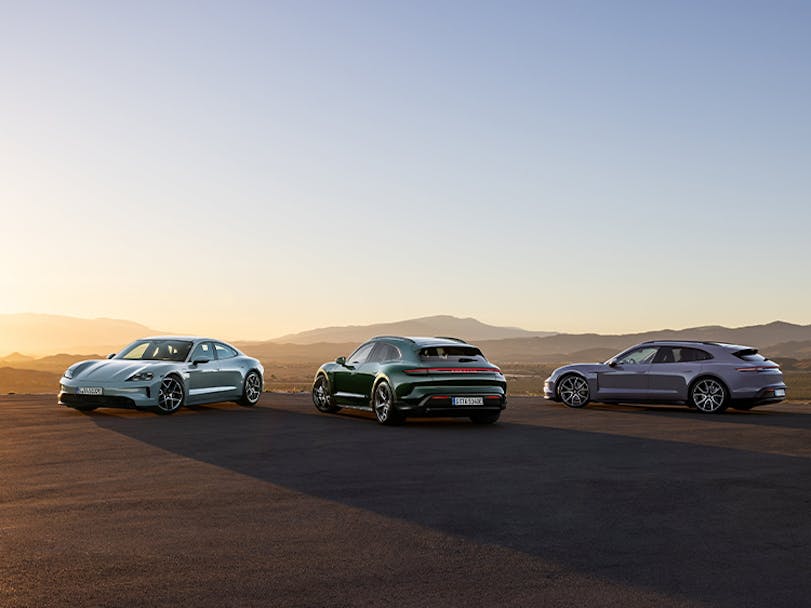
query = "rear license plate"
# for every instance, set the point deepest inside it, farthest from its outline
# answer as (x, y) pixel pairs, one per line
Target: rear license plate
(467, 401)
(90, 390)
(779, 392)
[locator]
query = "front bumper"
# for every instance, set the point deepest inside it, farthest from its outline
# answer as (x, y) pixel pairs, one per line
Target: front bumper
(549, 391)
(138, 395)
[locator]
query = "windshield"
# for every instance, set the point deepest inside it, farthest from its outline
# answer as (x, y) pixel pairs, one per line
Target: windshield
(157, 350)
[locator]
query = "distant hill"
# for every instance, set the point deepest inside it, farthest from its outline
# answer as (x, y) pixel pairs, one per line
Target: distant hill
(440, 325)
(52, 363)
(35, 334)
(777, 339)
(27, 381)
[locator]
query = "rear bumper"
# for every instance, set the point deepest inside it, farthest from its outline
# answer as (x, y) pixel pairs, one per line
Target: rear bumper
(763, 396)
(442, 405)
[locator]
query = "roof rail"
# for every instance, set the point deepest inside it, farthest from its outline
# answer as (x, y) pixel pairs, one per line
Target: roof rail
(451, 338)
(685, 341)
(393, 338)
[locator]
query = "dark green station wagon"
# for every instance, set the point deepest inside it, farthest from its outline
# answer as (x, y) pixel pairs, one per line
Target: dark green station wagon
(396, 378)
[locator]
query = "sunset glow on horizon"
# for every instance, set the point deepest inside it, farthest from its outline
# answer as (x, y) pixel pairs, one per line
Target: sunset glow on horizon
(252, 170)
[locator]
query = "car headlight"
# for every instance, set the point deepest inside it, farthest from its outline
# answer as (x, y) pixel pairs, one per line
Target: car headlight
(140, 377)
(68, 373)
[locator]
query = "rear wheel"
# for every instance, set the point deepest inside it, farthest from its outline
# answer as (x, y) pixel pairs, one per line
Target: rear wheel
(252, 389)
(573, 391)
(709, 396)
(485, 418)
(383, 405)
(322, 396)
(170, 396)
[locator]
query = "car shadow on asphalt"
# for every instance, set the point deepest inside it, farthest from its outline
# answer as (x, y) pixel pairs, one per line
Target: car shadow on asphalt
(759, 416)
(683, 519)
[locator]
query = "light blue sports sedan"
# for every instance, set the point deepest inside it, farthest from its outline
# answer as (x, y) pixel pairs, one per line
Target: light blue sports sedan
(162, 374)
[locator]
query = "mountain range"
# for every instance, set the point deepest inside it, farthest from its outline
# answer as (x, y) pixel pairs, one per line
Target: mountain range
(439, 325)
(38, 335)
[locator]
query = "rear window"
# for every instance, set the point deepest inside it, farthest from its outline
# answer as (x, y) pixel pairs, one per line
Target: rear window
(750, 354)
(450, 352)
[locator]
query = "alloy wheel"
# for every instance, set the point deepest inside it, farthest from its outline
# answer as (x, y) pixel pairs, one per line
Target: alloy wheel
(170, 395)
(382, 402)
(709, 396)
(574, 391)
(253, 388)
(321, 395)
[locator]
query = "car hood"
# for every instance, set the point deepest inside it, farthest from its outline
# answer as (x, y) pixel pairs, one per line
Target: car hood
(112, 370)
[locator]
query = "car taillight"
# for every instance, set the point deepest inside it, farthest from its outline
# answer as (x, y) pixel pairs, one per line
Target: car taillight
(452, 370)
(758, 368)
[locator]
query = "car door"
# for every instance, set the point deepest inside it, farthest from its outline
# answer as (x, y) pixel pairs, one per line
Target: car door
(671, 371)
(363, 376)
(203, 373)
(230, 370)
(626, 376)
(344, 378)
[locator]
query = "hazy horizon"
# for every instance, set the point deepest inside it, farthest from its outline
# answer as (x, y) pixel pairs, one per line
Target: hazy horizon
(251, 338)
(262, 169)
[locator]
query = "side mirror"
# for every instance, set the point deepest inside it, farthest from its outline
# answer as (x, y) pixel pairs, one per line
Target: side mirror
(612, 363)
(341, 360)
(111, 355)
(199, 361)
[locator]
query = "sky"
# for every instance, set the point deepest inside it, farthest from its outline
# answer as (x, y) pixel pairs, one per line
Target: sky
(249, 169)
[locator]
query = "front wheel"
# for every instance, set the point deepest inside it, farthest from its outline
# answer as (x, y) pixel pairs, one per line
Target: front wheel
(170, 396)
(573, 391)
(709, 396)
(322, 396)
(252, 389)
(383, 405)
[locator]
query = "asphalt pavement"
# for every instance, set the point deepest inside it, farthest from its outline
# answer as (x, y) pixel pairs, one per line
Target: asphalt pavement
(279, 505)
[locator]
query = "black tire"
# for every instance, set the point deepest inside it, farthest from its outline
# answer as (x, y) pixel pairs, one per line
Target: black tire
(171, 396)
(251, 389)
(322, 396)
(709, 395)
(485, 418)
(383, 405)
(573, 391)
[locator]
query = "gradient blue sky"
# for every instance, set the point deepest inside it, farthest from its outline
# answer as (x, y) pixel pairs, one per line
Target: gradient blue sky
(251, 169)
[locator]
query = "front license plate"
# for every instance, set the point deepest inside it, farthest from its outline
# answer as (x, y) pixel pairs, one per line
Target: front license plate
(779, 392)
(90, 390)
(467, 401)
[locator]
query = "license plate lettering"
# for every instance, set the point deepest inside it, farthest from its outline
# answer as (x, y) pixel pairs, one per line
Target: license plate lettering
(468, 401)
(90, 390)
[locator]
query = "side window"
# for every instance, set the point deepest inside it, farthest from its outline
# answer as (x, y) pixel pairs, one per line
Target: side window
(224, 352)
(392, 353)
(360, 355)
(666, 354)
(203, 351)
(638, 356)
(383, 352)
(687, 355)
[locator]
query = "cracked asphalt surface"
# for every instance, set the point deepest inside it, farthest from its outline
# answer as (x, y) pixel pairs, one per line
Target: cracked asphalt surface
(279, 505)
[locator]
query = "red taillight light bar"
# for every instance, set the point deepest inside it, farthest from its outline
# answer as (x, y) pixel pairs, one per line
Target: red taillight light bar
(452, 370)
(757, 368)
